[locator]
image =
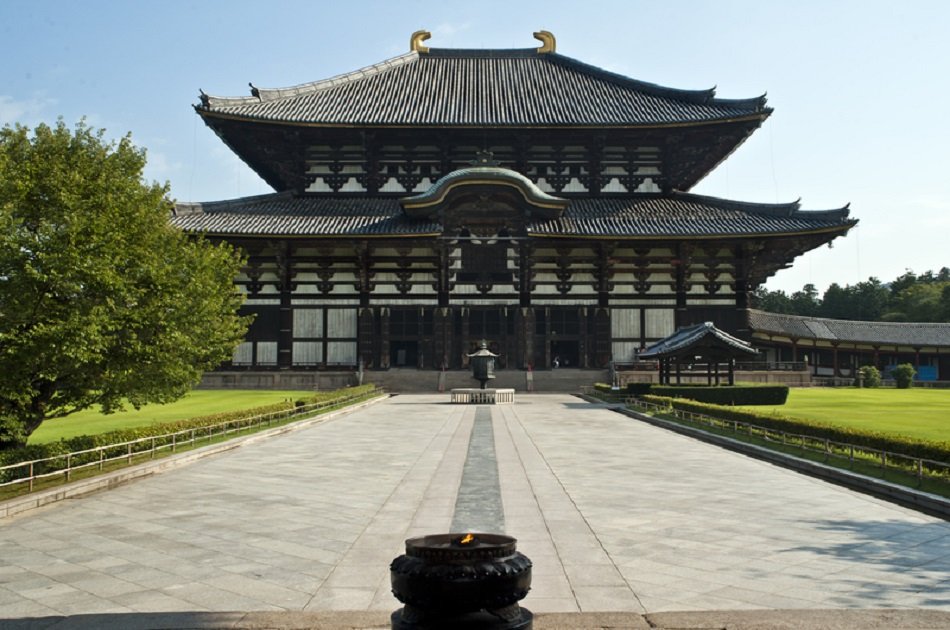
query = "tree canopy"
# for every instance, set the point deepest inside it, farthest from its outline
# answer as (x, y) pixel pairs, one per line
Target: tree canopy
(907, 298)
(101, 300)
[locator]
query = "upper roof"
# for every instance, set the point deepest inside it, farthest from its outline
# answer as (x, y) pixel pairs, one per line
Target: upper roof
(681, 215)
(456, 87)
(703, 336)
(837, 330)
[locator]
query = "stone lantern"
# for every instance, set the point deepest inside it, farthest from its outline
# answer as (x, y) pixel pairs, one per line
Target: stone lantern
(483, 364)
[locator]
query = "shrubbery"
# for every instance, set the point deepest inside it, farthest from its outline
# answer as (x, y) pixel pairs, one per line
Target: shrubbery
(639, 389)
(903, 375)
(868, 376)
(726, 395)
(926, 449)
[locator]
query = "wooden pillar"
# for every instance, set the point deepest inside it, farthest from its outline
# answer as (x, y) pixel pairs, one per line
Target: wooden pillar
(365, 334)
(524, 336)
(709, 372)
(285, 334)
(732, 371)
(678, 372)
(583, 345)
(679, 275)
(716, 372)
(834, 361)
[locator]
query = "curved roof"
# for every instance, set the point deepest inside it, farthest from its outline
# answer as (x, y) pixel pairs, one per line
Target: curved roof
(449, 87)
(543, 204)
(703, 336)
(681, 215)
(838, 330)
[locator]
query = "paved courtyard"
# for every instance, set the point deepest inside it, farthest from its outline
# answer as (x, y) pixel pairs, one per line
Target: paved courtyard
(616, 515)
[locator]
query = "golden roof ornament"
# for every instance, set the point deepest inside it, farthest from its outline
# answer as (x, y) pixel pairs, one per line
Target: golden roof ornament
(415, 41)
(548, 43)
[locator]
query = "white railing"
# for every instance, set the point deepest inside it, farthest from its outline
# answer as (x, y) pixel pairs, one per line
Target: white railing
(64, 466)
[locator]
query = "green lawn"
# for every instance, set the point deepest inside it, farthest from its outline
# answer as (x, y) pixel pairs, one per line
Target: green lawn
(201, 402)
(919, 413)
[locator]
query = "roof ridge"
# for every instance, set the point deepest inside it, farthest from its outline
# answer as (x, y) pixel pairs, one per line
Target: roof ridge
(700, 97)
(832, 320)
(195, 207)
(260, 95)
(788, 208)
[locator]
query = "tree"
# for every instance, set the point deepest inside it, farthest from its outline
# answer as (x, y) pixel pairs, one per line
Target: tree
(772, 301)
(805, 302)
(102, 302)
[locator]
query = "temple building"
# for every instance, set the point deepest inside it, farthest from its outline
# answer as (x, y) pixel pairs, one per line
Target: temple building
(519, 196)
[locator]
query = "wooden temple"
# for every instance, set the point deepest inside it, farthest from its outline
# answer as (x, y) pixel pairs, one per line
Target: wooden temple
(519, 196)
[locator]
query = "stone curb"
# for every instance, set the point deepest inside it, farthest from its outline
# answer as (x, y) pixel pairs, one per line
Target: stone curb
(878, 619)
(926, 502)
(76, 489)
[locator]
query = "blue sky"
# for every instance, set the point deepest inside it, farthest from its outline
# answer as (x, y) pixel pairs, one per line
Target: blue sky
(860, 89)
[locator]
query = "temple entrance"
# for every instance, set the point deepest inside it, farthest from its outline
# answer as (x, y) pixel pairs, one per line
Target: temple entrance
(565, 353)
(403, 353)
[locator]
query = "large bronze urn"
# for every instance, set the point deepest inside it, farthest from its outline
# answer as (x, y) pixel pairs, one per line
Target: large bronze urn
(461, 581)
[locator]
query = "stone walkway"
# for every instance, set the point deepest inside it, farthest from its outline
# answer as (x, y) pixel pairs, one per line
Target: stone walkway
(616, 515)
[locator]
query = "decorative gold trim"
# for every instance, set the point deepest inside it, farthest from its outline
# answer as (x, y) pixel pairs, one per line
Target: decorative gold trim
(416, 39)
(548, 43)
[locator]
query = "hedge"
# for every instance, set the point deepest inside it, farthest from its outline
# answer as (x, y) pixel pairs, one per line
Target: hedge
(85, 442)
(726, 395)
(924, 449)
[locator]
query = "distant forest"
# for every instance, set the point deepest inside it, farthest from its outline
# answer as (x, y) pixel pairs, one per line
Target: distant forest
(907, 298)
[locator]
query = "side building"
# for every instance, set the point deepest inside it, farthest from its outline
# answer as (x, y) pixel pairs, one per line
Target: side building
(518, 196)
(835, 348)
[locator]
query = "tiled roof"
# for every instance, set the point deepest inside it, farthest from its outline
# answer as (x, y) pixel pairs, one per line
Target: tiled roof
(283, 214)
(705, 334)
(447, 87)
(877, 333)
(683, 214)
(679, 215)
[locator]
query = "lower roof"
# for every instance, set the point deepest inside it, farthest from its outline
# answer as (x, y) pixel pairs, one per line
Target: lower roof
(702, 339)
(836, 330)
(678, 215)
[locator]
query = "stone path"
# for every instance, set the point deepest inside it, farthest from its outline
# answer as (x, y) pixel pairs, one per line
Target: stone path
(616, 515)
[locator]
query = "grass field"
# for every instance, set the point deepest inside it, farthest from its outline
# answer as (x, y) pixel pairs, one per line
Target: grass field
(201, 402)
(918, 413)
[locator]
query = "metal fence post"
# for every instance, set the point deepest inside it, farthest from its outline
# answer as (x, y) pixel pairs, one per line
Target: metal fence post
(31, 476)
(69, 466)
(130, 453)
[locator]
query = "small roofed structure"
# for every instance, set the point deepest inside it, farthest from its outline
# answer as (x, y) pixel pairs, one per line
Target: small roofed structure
(702, 343)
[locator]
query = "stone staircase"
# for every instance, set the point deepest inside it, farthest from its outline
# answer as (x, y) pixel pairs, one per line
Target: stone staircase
(408, 380)
(411, 380)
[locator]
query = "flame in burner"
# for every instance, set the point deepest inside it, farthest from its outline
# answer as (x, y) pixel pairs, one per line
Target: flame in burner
(466, 539)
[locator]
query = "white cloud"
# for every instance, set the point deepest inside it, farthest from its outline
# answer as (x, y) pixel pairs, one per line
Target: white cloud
(29, 112)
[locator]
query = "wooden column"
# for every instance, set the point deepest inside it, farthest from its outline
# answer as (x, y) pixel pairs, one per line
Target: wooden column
(285, 335)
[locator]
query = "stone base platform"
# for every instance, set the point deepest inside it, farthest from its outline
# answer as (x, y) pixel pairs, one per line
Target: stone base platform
(476, 396)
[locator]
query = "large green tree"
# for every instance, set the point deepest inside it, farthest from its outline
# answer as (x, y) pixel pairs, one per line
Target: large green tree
(102, 302)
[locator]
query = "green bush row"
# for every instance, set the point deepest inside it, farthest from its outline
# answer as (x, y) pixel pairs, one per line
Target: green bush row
(925, 449)
(726, 395)
(84, 442)
(346, 392)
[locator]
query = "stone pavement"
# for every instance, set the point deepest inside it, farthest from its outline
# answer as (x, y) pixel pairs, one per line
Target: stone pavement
(617, 515)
